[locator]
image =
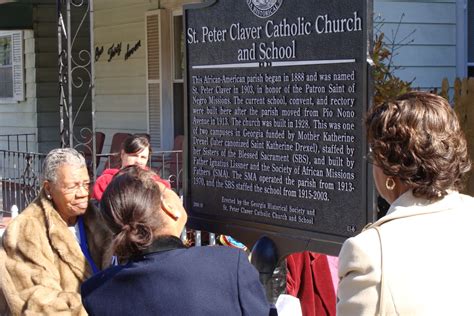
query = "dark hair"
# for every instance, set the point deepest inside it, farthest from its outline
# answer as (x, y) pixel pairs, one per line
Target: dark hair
(129, 206)
(418, 139)
(135, 143)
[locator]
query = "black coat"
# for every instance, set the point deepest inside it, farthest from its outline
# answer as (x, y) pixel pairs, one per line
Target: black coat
(173, 280)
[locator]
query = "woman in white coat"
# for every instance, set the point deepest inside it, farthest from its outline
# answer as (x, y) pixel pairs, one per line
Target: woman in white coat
(416, 260)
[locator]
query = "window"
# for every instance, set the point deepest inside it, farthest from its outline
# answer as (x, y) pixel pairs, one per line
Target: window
(11, 66)
(165, 70)
(470, 38)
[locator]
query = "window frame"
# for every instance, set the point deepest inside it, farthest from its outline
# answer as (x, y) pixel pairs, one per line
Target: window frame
(177, 56)
(175, 42)
(17, 64)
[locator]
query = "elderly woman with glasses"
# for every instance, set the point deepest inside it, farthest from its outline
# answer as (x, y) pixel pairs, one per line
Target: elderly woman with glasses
(55, 244)
(417, 259)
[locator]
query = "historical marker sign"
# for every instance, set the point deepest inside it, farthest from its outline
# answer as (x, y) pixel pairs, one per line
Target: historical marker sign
(276, 92)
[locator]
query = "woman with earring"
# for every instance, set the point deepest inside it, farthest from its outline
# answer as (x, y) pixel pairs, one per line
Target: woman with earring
(159, 275)
(55, 244)
(135, 151)
(417, 259)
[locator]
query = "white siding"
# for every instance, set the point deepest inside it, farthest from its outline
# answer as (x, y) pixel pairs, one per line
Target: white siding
(121, 84)
(431, 56)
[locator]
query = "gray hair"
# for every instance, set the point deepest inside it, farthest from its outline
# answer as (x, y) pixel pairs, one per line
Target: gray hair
(58, 157)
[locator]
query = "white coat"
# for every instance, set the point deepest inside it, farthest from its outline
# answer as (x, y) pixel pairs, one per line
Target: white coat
(428, 255)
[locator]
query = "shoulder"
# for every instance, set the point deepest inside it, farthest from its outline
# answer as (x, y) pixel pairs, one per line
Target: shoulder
(99, 279)
(358, 251)
(107, 175)
(359, 274)
(111, 171)
(467, 200)
(216, 251)
(31, 216)
(223, 258)
(224, 262)
(26, 226)
(215, 258)
(102, 182)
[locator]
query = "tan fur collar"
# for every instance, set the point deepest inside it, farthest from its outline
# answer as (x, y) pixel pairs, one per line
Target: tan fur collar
(63, 241)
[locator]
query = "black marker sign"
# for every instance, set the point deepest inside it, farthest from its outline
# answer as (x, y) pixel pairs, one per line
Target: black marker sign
(276, 94)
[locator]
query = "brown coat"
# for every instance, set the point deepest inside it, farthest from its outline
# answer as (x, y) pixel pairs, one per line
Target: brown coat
(43, 262)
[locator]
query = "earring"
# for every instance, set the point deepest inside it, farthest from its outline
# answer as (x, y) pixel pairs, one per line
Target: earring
(390, 184)
(48, 196)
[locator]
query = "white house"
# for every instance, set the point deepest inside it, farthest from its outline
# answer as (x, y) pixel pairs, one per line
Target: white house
(139, 62)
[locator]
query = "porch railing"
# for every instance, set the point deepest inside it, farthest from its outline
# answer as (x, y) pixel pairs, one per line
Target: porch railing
(19, 178)
(20, 174)
(17, 142)
(169, 166)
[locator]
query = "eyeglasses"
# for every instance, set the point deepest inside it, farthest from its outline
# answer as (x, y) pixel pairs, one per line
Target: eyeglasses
(75, 187)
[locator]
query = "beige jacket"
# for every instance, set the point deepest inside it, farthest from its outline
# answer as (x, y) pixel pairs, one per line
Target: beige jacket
(427, 260)
(43, 265)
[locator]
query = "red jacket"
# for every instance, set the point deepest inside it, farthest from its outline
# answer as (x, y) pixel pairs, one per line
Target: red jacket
(103, 181)
(309, 278)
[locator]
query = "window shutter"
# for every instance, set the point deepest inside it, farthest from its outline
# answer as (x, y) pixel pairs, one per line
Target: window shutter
(153, 77)
(159, 84)
(17, 65)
